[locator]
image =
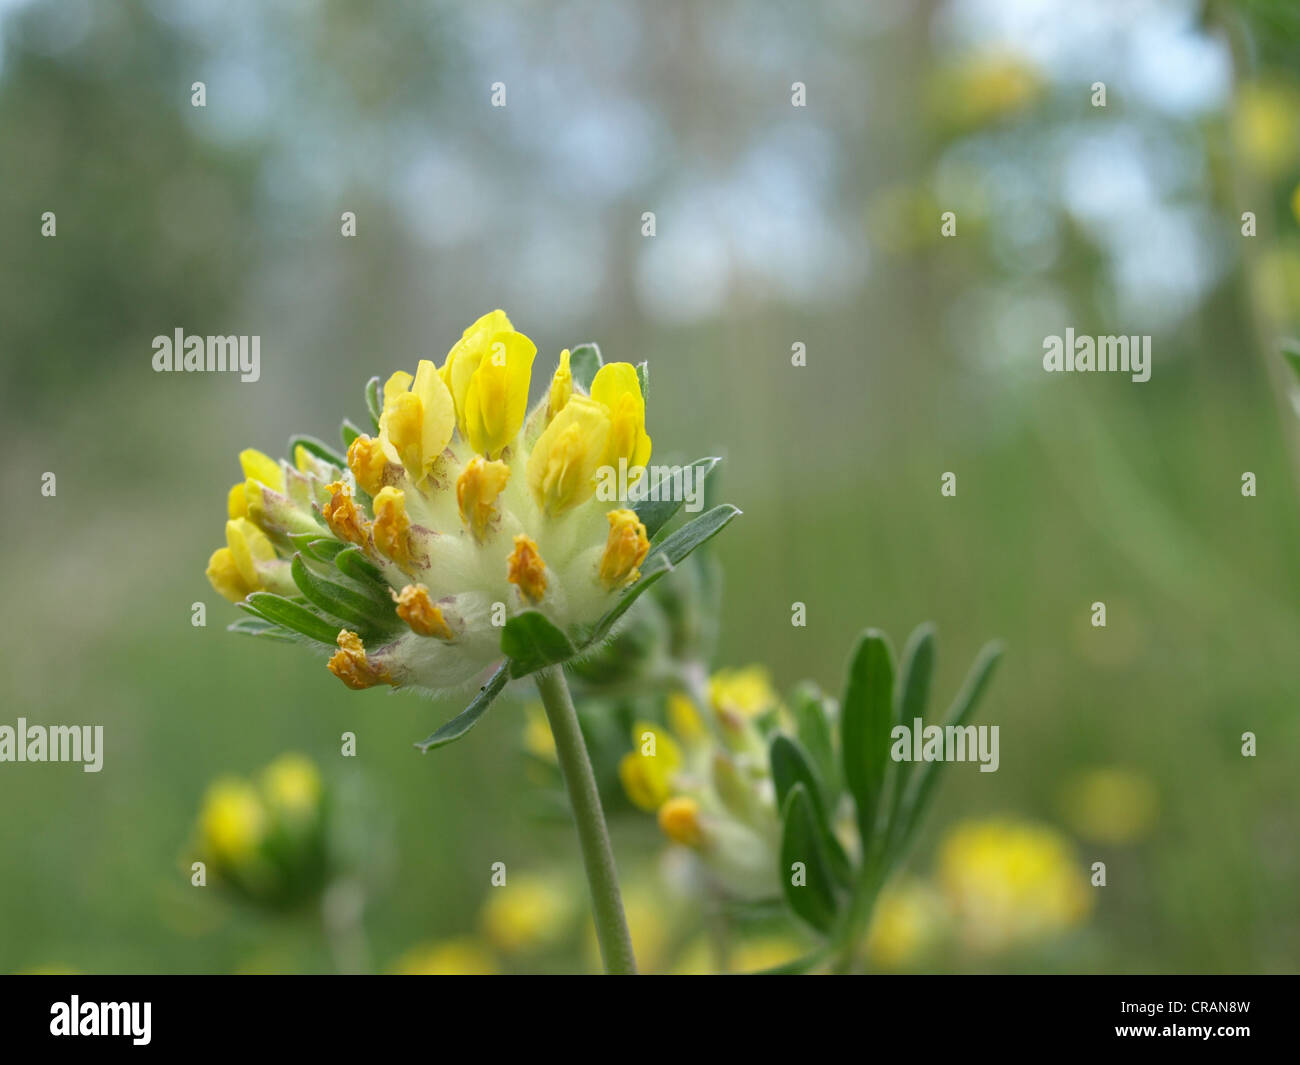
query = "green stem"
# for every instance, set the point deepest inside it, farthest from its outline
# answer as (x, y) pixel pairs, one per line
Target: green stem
(597, 855)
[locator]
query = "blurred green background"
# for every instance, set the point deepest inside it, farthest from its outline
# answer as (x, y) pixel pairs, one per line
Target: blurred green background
(776, 225)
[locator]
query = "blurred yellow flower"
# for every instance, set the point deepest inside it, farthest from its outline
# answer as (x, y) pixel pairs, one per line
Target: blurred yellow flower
(464, 956)
(527, 913)
(232, 822)
(765, 952)
(647, 771)
(1011, 883)
(1110, 805)
(747, 691)
(1266, 127)
(910, 918)
(982, 88)
(292, 783)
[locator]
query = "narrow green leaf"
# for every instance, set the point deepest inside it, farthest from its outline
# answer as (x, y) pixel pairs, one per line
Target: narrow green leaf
(318, 448)
(649, 574)
(291, 616)
(791, 765)
(349, 432)
(813, 900)
(695, 532)
(340, 601)
(584, 361)
(374, 400)
(352, 562)
(813, 727)
(866, 717)
(468, 718)
(913, 696)
(664, 496)
(972, 691)
(325, 548)
(259, 626)
(532, 642)
(643, 379)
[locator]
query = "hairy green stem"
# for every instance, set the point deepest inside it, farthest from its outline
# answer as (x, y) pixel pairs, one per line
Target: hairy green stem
(597, 855)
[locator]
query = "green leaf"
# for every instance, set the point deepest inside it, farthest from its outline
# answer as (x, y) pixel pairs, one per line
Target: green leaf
(866, 718)
(643, 379)
(913, 697)
(313, 545)
(790, 766)
(972, 691)
(468, 718)
(291, 616)
(532, 642)
(655, 511)
(374, 400)
(352, 562)
(584, 361)
(813, 727)
(259, 626)
(801, 841)
(340, 601)
(318, 448)
(349, 432)
(695, 532)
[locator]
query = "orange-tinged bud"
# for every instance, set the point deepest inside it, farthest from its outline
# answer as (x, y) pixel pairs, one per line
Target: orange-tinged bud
(342, 517)
(353, 668)
(625, 549)
(679, 819)
(392, 527)
(527, 570)
(477, 491)
(368, 463)
(423, 615)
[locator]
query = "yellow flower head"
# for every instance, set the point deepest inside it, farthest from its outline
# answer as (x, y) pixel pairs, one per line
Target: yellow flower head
(292, 783)
(647, 771)
(1011, 883)
(1110, 805)
(463, 956)
(909, 919)
(527, 913)
(746, 692)
(232, 822)
(463, 501)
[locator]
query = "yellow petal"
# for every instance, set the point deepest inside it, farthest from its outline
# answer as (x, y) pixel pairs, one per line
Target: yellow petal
(237, 501)
(561, 387)
(466, 355)
(249, 545)
(496, 398)
(262, 468)
(225, 577)
(563, 463)
(616, 387)
(438, 410)
(232, 822)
